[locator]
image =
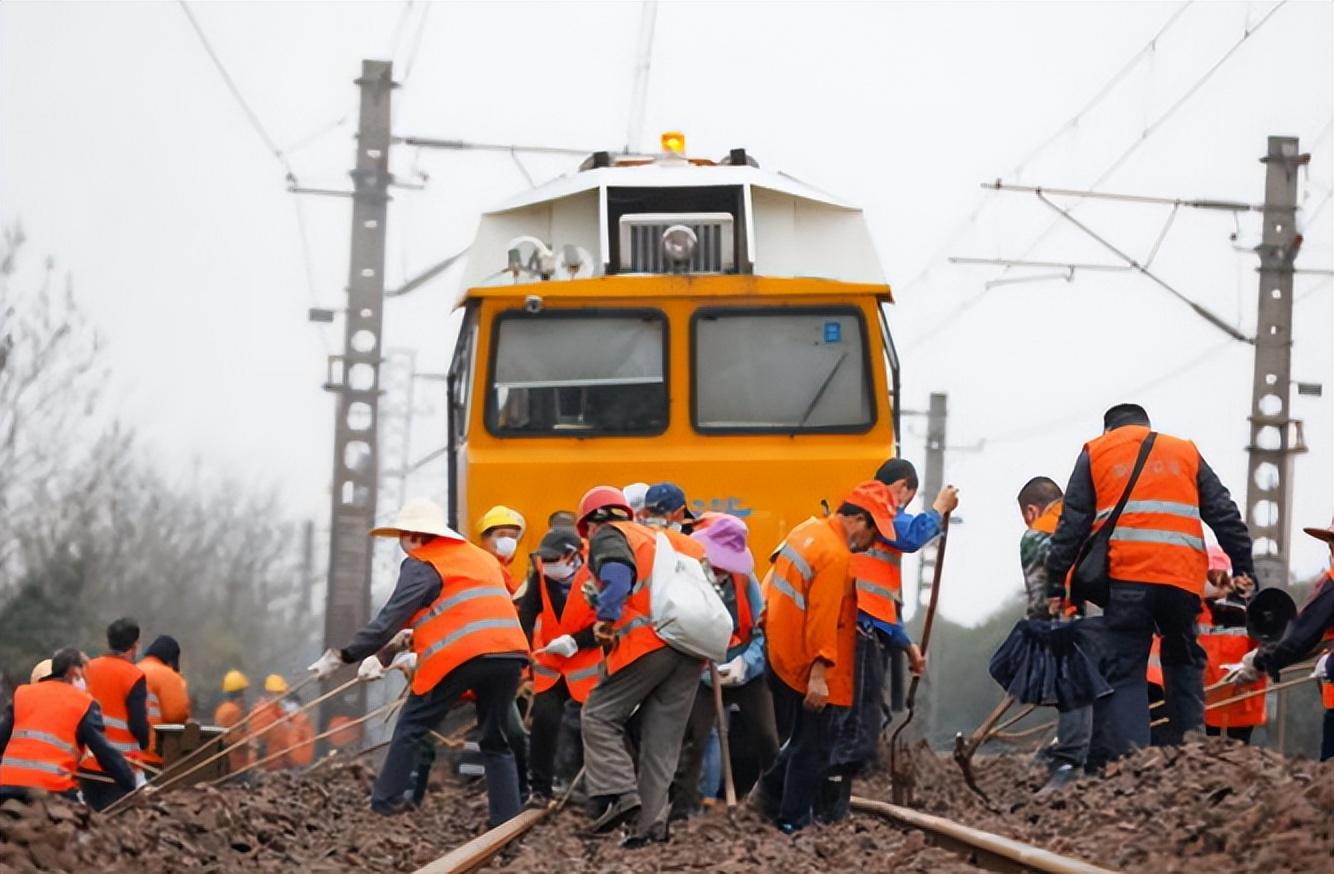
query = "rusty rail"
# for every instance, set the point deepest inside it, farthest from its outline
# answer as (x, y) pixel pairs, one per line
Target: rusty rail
(985, 849)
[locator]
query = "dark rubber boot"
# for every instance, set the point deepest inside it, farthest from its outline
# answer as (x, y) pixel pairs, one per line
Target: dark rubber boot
(834, 800)
(503, 801)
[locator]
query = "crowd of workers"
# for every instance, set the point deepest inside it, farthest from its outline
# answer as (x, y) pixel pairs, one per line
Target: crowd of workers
(803, 677)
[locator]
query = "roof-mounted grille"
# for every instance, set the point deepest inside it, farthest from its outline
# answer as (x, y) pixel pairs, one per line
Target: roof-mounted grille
(641, 243)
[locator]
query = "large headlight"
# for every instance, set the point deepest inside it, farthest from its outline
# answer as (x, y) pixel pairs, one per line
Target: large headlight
(678, 243)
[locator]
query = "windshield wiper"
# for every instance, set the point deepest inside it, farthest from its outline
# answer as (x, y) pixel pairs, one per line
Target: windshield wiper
(824, 386)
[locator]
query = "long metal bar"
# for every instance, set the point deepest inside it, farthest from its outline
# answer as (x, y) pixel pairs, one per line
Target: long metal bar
(1224, 205)
(1011, 854)
(1061, 265)
(464, 145)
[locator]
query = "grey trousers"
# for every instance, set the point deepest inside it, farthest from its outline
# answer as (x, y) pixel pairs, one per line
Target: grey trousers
(1074, 730)
(662, 684)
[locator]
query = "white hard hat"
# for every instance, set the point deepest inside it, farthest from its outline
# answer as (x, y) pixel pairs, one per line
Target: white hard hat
(419, 516)
(635, 494)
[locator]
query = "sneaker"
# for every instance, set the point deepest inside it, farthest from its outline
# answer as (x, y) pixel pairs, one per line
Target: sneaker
(620, 810)
(656, 835)
(538, 800)
(1059, 779)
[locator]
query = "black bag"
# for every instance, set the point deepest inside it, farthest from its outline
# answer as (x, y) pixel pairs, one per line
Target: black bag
(1089, 581)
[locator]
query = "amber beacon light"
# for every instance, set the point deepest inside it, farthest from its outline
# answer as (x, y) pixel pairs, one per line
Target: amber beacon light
(674, 142)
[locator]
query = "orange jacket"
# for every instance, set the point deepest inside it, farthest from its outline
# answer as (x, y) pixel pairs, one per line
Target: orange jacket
(43, 750)
(579, 670)
(168, 700)
(877, 577)
(635, 636)
(265, 714)
(227, 714)
(1159, 537)
(472, 616)
(300, 732)
(811, 608)
(110, 679)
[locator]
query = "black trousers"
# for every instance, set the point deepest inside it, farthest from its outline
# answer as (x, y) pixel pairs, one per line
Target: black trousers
(795, 777)
(547, 729)
(1237, 732)
(759, 735)
(1327, 737)
(494, 680)
(99, 795)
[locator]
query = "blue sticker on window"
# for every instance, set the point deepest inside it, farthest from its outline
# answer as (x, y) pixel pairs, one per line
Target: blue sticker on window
(833, 332)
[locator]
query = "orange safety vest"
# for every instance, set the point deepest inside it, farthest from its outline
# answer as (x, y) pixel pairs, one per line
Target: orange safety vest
(301, 732)
(43, 750)
(1326, 688)
(1226, 646)
(472, 616)
(634, 632)
(168, 700)
(227, 714)
(684, 543)
(1159, 538)
(264, 714)
(804, 622)
(579, 670)
(877, 575)
(744, 625)
(110, 679)
(1154, 672)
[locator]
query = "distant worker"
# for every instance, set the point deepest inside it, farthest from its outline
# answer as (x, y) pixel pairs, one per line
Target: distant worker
(1223, 636)
(1156, 567)
(665, 510)
(1040, 505)
(267, 717)
(1314, 626)
(230, 712)
(466, 636)
(742, 673)
(562, 519)
(878, 582)
(46, 730)
(558, 620)
(168, 693)
(121, 690)
(642, 673)
(634, 497)
(811, 633)
(500, 530)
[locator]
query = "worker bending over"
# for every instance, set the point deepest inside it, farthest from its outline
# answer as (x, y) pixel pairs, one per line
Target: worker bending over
(742, 673)
(1225, 641)
(811, 633)
(642, 672)
(46, 731)
(168, 694)
(558, 620)
(121, 690)
(465, 636)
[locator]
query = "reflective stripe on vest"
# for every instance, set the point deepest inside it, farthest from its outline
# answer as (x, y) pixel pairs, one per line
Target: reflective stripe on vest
(35, 766)
(798, 562)
(539, 668)
(471, 628)
(1149, 535)
(451, 601)
(873, 589)
(46, 738)
(111, 722)
(634, 631)
(1169, 508)
(588, 673)
(43, 750)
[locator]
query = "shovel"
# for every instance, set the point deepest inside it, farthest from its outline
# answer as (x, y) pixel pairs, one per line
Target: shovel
(724, 747)
(900, 781)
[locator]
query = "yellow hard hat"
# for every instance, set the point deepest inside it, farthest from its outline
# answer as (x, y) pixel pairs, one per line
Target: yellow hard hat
(501, 516)
(235, 681)
(275, 684)
(40, 671)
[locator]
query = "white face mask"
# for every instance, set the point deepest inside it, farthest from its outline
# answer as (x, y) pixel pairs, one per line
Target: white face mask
(560, 571)
(80, 684)
(505, 546)
(660, 522)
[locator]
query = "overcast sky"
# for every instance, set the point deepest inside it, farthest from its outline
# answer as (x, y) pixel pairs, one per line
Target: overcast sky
(126, 158)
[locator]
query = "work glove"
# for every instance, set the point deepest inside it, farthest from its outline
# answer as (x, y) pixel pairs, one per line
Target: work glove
(371, 669)
(405, 662)
(326, 664)
(1244, 671)
(732, 673)
(400, 641)
(140, 781)
(1320, 665)
(604, 632)
(562, 646)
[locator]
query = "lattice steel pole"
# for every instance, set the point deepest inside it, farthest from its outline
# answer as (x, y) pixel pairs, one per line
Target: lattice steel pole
(1269, 472)
(354, 377)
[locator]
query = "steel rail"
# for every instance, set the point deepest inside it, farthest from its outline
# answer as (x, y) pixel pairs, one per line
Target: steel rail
(984, 849)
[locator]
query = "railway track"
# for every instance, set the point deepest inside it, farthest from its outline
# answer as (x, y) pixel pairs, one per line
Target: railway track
(988, 851)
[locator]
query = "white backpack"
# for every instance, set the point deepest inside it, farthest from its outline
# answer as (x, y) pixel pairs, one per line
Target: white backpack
(688, 614)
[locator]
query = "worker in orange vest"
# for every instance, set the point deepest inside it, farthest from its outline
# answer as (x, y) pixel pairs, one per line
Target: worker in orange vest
(121, 690)
(1222, 634)
(1313, 627)
(46, 730)
(1156, 568)
(465, 636)
(742, 673)
(168, 694)
(230, 711)
(558, 620)
(642, 672)
(500, 529)
(268, 716)
(811, 629)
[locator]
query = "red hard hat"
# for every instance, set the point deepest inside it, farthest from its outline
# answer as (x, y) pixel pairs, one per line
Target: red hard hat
(602, 498)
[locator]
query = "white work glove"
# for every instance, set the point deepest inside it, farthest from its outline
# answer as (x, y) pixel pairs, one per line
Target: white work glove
(326, 664)
(562, 646)
(1244, 671)
(400, 641)
(732, 673)
(1319, 669)
(140, 781)
(405, 662)
(371, 669)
